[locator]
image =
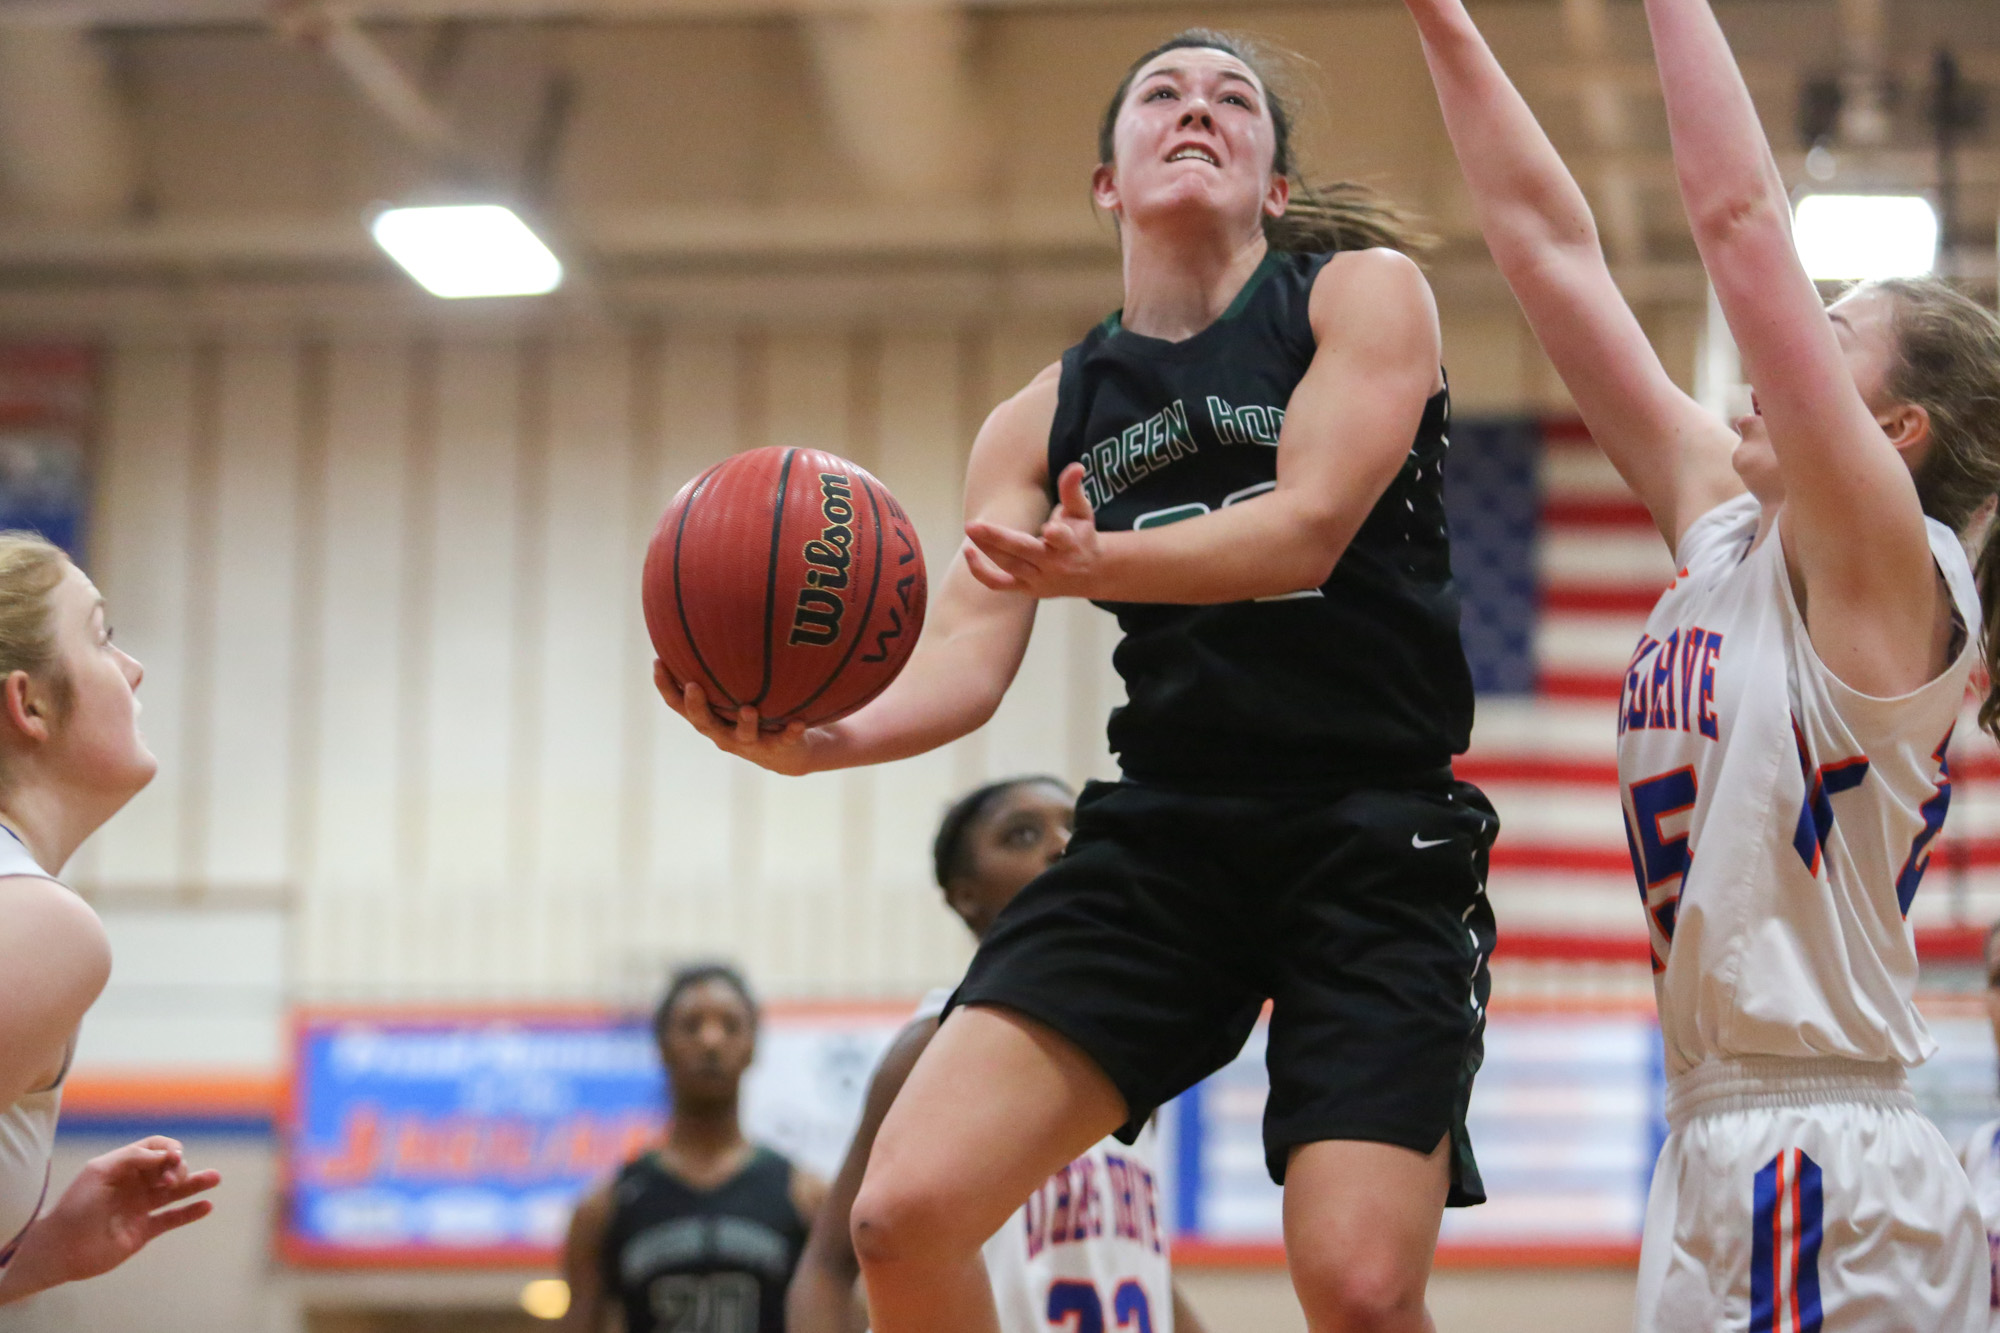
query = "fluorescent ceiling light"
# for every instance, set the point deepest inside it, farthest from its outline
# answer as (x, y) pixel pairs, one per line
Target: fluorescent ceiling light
(1861, 236)
(468, 250)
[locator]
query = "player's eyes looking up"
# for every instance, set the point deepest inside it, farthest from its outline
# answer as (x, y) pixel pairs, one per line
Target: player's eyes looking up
(1022, 833)
(1167, 91)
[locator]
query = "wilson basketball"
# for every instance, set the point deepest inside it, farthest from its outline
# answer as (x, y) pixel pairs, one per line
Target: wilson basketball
(788, 580)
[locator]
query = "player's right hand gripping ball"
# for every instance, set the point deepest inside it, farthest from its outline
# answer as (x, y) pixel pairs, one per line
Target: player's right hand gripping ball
(788, 580)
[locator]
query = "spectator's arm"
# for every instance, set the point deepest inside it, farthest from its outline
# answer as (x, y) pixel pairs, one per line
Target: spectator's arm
(1185, 1318)
(583, 1267)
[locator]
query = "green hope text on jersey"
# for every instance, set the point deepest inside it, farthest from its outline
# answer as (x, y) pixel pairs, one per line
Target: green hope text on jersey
(1113, 465)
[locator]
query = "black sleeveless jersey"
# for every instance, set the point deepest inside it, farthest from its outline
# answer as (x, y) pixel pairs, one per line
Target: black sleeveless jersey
(1361, 680)
(683, 1260)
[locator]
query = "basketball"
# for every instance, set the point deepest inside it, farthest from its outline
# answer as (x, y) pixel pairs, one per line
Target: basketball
(786, 580)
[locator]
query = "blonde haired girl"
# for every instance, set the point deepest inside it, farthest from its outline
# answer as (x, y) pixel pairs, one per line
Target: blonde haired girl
(70, 757)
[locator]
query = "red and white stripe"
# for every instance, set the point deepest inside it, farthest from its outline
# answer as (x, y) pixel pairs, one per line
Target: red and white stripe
(1562, 882)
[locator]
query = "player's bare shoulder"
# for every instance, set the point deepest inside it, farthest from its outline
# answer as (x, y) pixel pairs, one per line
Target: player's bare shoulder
(1357, 284)
(1029, 412)
(49, 931)
(1012, 450)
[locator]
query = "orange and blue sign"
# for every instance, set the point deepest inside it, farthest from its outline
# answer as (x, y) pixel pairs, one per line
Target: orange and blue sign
(458, 1138)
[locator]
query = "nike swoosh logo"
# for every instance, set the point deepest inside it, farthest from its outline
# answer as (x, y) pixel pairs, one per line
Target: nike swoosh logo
(1421, 843)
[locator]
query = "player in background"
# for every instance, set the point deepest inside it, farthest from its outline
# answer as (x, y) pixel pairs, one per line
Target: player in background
(1244, 466)
(70, 758)
(1784, 719)
(1982, 1150)
(702, 1232)
(989, 845)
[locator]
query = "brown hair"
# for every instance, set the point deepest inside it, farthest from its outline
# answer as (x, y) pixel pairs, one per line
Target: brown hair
(30, 569)
(1341, 215)
(1948, 363)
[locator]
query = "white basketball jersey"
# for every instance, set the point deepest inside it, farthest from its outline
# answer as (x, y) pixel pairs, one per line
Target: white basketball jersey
(1982, 1165)
(1779, 821)
(1091, 1242)
(28, 1126)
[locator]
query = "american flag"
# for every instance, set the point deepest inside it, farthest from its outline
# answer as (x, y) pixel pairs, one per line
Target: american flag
(1559, 564)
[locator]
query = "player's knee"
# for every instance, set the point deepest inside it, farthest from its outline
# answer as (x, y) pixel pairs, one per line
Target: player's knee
(893, 1221)
(1359, 1292)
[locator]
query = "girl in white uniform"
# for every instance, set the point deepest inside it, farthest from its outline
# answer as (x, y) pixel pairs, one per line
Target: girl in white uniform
(1784, 719)
(1090, 1243)
(70, 756)
(1982, 1150)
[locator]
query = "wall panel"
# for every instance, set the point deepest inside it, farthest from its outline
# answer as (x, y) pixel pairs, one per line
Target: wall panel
(590, 592)
(462, 898)
(350, 855)
(390, 592)
(248, 701)
(139, 556)
(922, 450)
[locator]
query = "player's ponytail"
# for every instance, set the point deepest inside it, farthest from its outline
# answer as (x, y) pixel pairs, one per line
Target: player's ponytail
(1342, 215)
(1948, 363)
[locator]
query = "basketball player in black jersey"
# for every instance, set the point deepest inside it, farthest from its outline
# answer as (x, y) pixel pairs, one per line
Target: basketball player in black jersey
(701, 1234)
(1244, 465)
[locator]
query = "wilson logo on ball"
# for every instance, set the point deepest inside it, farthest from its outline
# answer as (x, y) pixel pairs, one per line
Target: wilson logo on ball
(816, 620)
(786, 580)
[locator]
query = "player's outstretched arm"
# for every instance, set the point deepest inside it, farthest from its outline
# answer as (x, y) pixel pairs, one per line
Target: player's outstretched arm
(1348, 428)
(1853, 527)
(822, 1296)
(973, 640)
(1536, 222)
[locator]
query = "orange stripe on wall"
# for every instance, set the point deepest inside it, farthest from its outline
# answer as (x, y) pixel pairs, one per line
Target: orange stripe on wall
(178, 1093)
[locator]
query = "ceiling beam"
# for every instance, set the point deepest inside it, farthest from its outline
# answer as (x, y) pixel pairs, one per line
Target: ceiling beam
(64, 145)
(724, 231)
(897, 84)
(376, 76)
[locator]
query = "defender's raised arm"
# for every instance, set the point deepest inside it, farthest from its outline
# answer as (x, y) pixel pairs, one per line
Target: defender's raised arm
(1539, 227)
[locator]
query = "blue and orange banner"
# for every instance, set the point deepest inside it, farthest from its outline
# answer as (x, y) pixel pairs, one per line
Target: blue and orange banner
(459, 1140)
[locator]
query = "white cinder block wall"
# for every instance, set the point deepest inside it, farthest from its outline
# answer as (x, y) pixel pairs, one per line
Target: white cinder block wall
(386, 592)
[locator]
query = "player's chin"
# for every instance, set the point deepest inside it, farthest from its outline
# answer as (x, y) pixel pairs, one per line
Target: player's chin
(1756, 465)
(125, 768)
(1173, 202)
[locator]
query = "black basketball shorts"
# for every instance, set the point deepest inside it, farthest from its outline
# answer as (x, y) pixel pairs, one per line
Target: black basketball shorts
(1360, 914)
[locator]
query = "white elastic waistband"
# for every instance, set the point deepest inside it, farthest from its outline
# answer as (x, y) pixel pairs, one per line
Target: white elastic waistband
(1718, 1086)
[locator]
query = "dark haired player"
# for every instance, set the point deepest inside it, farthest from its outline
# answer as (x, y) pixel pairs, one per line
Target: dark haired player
(1244, 466)
(701, 1234)
(990, 844)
